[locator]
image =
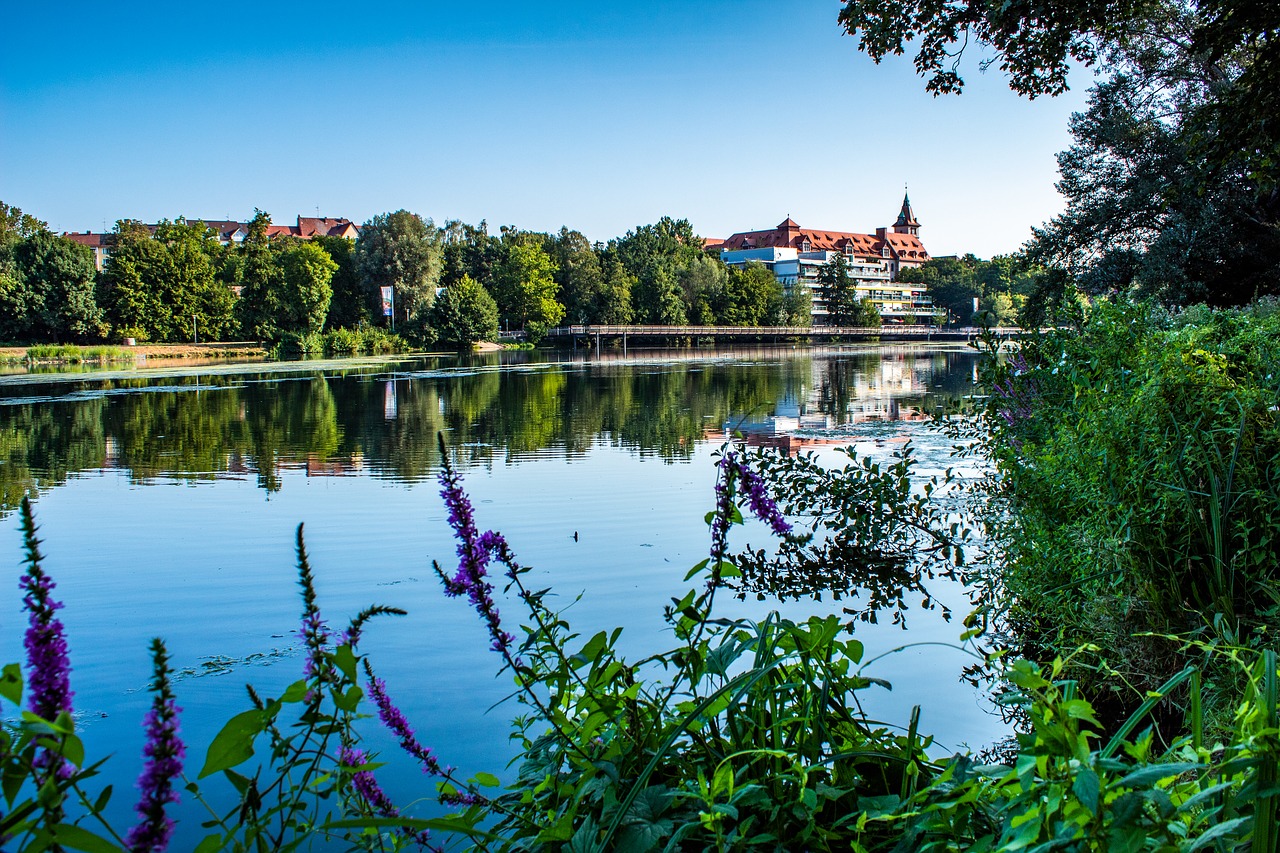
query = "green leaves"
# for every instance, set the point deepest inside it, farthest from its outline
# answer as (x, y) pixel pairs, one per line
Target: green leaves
(233, 745)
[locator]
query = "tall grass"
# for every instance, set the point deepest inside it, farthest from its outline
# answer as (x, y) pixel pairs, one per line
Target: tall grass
(72, 354)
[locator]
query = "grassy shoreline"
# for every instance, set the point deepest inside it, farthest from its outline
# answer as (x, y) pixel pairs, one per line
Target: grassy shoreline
(49, 354)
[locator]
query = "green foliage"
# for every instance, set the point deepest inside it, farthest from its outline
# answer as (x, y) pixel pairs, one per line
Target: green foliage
(656, 255)
(525, 289)
(1002, 285)
(367, 340)
(1137, 492)
(836, 290)
(797, 306)
(166, 286)
(1147, 215)
(306, 271)
(401, 250)
(353, 302)
(464, 314)
(58, 281)
(579, 276)
(1173, 180)
(746, 735)
(751, 296)
(75, 354)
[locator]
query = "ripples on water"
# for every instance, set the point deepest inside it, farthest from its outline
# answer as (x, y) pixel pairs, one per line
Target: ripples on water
(167, 502)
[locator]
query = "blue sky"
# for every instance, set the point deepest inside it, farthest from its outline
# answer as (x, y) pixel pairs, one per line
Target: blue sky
(599, 116)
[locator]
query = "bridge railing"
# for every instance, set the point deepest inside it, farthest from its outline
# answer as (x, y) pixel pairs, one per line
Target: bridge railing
(891, 330)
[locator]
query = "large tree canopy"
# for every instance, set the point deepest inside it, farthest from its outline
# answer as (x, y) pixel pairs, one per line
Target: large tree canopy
(1173, 181)
(403, 251)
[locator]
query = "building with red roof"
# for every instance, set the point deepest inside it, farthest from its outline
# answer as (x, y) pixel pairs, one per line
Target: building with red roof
(795, 255)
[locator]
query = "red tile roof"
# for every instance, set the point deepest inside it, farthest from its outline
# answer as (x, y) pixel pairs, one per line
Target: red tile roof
(789, 235)
(93, 241)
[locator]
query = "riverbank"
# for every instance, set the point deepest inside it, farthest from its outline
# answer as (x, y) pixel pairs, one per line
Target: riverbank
(234, 349)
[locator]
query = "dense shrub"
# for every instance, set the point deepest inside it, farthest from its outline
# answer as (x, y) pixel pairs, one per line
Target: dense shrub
(1139, 486)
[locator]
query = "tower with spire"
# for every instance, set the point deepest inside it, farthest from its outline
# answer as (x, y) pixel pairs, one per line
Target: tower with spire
(907, 223)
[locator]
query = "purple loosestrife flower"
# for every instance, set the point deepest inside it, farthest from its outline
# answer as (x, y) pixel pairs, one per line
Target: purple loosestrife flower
(164, 752)
(371, 792)
(313, 632)
(722, 517)
(49, 668)
(762, 505)
(733, 468)
(474, 552)
(393, 718)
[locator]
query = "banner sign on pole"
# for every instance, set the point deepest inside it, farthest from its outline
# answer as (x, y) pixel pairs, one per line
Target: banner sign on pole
(386, 302)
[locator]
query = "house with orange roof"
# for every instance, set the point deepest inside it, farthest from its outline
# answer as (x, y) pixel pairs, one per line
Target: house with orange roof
(796, 255)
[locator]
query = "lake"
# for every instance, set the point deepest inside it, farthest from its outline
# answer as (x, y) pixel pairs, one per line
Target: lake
(167, 501)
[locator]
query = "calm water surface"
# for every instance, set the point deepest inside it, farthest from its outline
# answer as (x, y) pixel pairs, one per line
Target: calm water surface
(168, 499)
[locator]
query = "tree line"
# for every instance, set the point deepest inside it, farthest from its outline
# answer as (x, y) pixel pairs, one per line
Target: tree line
(456, 283)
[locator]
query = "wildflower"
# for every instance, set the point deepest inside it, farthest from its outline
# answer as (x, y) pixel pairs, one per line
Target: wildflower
(314, 633)
(474, 552)
(48, 665)
(393, 718)
(733, 467)
(723, 515)
(164, 752)
(762, 506)
(371, 792)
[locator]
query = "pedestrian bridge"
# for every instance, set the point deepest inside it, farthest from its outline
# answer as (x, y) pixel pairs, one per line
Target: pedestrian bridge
(892, 332)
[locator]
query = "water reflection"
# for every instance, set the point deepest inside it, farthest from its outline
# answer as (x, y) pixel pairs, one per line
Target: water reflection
(381, 419)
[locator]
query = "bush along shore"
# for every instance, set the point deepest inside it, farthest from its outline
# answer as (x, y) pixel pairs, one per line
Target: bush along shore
(748, 735)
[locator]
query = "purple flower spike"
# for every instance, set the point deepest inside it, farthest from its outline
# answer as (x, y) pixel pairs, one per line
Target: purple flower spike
(474, 552)
(393, 718)
(49, 668)
(762, 505)
(371, 792)
(164, 753)
(733, 467)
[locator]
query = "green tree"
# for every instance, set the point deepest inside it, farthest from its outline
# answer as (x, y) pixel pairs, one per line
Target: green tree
(837, 290)
(192, 299)
(579, 275)
(614, 304)
(126, 293)
(525, 287)
(464, 313)
(1149, 215)
(17, 301)
(353, 303)
(1173, 180)
(752, 297)
(704, 284)
(655, 255)
(797, 306)
(57, 276)
(866, 315)
(953, 284)
(403, 251)
(997, 310)
(258, 281)
(470, 250)
(306, 271)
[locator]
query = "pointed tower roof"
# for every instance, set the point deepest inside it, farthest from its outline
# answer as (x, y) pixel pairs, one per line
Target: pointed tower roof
(906, 216)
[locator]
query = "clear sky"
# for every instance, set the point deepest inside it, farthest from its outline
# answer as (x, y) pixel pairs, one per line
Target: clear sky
(600, 116)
